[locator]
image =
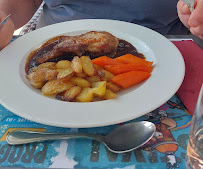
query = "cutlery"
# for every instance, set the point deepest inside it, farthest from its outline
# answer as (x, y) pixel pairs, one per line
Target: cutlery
(4, 21)
(122, 139)
(195, 142)
(190, 4)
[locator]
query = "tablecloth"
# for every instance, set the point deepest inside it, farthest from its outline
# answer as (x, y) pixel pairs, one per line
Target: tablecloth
(167, 148)
(193, 57)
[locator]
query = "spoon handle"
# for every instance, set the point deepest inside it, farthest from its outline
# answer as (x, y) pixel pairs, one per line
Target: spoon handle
(23, 137)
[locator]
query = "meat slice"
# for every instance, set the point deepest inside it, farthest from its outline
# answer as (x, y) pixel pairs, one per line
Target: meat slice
(94, 42)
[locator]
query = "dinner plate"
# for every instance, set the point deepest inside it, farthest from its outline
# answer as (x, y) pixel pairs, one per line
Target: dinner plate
(18, 96)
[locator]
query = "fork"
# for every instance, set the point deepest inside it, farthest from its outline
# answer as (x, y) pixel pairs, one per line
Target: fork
(4, 21)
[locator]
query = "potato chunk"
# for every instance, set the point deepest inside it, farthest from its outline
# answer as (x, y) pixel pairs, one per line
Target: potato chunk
(63, 64)
(82, 75)
(72, 92)
(65, 74)
(88, 66)
(97, 67)
(49, 65)
(80, 82)
(86, 95)
(109, 95)
(76, 64)
(93, 79)
(107, 75)
(69, 94)
(99, 88)
(54, 87)
(39, 78)
(113, 87)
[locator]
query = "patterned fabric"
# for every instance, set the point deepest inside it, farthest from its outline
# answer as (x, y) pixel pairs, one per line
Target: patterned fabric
(31, 25)
(158, 15)
(166, 150)
(165, 21)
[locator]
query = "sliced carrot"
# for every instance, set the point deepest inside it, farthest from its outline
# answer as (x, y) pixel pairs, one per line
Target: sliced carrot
(128, 79)
(119, 69)
(129, 58)
(104, 60)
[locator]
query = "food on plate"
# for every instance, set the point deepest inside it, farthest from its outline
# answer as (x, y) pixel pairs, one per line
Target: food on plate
(131, 78)
(93, 79)
(113, 87)
(86, 95)
(69, 94)
(54, 87)
(76, 65)
(129, 58)
(92, 42)
(123, 68)
(80, 82)
(104, 60)
(65, 74)
(40, 76)
(49, 65)
(49, 46)
(109, 95)
(59, 68)
(61, 64)
(99, 88)
(88, 66)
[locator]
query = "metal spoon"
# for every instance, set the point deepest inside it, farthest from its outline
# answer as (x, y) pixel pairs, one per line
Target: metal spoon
(122, 139)
(4, 21)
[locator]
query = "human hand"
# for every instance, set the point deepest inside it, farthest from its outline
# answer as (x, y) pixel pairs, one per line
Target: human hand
(193, 21)
(6, 30)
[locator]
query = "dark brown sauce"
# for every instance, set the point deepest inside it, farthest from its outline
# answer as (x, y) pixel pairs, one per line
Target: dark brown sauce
(32, 58)
(124, 47)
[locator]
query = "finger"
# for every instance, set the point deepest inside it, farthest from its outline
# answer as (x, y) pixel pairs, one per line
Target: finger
(197, 30)
(183, 8)
(195, 4)
(6, 31)
(201, 37)
(196, 17)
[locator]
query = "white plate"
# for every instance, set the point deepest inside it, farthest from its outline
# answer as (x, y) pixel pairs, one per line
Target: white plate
(17, 95)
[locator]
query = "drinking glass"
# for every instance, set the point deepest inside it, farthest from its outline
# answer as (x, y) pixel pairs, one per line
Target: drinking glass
(195, 144)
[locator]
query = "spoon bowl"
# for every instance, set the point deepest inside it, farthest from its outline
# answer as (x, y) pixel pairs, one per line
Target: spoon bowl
(122, 139)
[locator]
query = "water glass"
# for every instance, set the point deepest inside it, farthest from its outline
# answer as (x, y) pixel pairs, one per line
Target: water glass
(195, 143)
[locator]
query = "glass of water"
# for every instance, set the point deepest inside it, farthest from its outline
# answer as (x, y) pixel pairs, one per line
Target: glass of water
(195, 143)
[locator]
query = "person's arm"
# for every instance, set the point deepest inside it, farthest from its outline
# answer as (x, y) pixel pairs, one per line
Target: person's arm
(6, 30)
(193, 21)
(21, 10)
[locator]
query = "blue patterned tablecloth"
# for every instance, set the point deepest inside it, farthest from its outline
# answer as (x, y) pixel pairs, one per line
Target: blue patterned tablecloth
(167, 149)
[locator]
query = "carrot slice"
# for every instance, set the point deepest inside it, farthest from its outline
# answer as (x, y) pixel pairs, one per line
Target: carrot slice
(129, 58)
(119, 69)
(104, 60)
(128, 79)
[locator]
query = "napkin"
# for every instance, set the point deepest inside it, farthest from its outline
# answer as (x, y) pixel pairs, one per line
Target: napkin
(193, 57)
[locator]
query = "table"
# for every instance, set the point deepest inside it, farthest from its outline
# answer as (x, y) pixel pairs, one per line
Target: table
(167, 149)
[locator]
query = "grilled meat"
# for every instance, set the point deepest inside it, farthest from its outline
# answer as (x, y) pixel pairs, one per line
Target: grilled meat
(94, 42)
